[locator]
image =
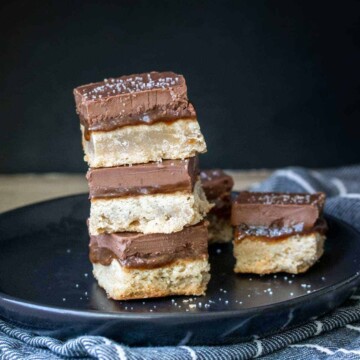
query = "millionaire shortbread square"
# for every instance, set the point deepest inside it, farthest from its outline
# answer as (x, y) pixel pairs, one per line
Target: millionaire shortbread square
(277, 232)
(134, 265)
(137, 119)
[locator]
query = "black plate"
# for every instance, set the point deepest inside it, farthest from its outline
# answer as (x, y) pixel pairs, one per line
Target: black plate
(46, 285)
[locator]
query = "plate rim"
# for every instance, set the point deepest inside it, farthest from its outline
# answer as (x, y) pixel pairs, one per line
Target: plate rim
(147, 316)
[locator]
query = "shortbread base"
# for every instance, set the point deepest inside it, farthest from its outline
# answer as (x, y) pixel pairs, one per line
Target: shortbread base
(139, 144)
(294, 254)
(148, 214)
(183, 277)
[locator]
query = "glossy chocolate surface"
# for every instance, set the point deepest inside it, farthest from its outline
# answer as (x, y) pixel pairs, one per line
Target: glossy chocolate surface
(133, 100)
(277, 210)
(152, 178)
(137, 250)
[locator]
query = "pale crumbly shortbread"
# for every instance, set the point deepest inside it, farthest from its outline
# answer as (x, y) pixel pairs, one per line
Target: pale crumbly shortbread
(183, 277)
(139, 144)
(294, 254)
(220, 229)
(149, 214)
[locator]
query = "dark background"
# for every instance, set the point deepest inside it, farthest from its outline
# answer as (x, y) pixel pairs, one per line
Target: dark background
(275, 83)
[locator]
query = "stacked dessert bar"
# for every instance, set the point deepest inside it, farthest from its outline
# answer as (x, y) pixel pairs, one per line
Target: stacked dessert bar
(217, 186)
(141, 139)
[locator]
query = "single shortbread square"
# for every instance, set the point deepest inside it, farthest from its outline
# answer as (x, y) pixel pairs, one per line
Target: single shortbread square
(131, 265)
(136, 119)
(277, 232)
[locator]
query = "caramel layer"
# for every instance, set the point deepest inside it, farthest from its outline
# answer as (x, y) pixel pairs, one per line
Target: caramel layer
(276, 234)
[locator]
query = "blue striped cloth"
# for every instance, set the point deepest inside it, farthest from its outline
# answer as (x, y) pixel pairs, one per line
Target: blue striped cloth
(334, 336)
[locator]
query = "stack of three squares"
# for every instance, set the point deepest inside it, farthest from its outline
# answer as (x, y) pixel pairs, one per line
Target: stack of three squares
(141, 139)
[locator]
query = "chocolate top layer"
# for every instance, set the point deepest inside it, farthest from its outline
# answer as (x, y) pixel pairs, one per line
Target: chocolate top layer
(137, 250)
(277, 210)
(151, 178)
(133, 100)
(215, 183)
